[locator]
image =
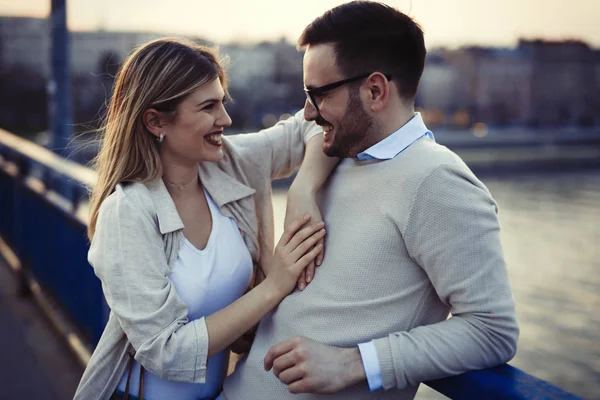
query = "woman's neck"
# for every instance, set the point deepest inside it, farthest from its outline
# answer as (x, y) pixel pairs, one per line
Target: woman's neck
(180, 178)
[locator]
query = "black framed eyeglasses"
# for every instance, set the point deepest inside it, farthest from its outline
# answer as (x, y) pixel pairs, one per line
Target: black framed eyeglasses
(312, 94)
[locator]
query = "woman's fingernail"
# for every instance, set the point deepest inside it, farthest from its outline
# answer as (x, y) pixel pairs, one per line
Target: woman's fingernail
(306, 216)
(308, 279)
(302, 286)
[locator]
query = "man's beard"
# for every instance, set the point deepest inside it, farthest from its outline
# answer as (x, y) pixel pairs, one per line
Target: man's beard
(353, 132)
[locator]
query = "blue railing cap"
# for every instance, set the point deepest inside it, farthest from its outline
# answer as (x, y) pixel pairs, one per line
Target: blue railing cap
(38, 154)
(502, 383)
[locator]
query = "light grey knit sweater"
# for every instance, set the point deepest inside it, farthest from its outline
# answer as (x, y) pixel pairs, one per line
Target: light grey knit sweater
(409, 240)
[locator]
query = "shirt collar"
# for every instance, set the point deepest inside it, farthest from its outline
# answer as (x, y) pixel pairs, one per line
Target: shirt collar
(166, 212)
(395, 143)
(222, 187)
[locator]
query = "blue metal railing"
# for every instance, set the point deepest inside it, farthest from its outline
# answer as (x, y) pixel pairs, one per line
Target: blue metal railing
(43, 221)
(40, 195)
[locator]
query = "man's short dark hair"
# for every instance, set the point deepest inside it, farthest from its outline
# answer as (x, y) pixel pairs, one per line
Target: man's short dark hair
(369, 36)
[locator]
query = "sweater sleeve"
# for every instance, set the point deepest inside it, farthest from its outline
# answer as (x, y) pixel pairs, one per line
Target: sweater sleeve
(128, 256)
(453, 233)
(280, 147)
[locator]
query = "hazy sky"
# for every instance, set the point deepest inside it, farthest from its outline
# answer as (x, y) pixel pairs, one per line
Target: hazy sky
(446, 22)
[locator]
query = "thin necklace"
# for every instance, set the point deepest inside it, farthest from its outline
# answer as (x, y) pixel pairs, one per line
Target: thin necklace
(180, 186)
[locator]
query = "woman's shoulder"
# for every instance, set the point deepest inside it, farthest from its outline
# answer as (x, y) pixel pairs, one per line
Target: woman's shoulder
(128, 200)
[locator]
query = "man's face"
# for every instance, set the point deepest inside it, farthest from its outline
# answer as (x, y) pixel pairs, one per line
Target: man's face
(346, 124)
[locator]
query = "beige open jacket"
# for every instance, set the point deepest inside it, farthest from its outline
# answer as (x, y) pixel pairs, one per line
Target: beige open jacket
(137, 240)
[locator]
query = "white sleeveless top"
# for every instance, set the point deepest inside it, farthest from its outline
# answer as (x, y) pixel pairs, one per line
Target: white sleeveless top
(206, 280)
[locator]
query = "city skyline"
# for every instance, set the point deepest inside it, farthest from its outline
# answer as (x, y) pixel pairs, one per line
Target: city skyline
(449, 24)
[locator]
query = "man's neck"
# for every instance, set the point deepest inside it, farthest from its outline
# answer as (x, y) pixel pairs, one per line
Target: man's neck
(386, 124)
(395, 119)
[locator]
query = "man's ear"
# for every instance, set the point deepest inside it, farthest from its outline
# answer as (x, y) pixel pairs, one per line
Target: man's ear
(379, 91)
(153, 121)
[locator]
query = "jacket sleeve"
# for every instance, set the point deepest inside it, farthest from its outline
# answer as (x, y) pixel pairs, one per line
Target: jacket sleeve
(279, 149)
(128, 256)
(453, 233)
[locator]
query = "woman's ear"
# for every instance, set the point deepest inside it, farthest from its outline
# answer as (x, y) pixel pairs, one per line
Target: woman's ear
(152, 120)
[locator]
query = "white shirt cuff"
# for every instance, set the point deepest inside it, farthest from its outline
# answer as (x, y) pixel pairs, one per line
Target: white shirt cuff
(368, 353)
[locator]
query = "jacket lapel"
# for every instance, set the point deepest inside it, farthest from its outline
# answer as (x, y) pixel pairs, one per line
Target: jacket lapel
(166, 212)
(170, 224)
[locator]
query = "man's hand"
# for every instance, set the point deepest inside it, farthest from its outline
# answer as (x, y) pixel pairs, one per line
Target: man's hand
(307, 366)
(300, 202)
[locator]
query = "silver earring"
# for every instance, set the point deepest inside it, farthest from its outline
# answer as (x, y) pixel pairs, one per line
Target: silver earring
(161, 137)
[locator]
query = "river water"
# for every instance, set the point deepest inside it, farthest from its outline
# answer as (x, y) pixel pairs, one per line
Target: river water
(551, 238)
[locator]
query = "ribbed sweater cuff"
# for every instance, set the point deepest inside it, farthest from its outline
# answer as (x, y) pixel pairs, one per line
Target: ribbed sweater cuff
(386, 362)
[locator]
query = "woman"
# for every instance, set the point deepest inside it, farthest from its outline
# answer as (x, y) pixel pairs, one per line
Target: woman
(178, 216)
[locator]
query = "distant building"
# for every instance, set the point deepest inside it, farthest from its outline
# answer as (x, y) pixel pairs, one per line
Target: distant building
(265, 79)
(95, 59)
(25, 43)
(248, 63)
(597, 86)
(495, 84)
(563, 82)
(475, 84)
(264, 61)
(539, 83)
(100, 51)
(438, 88)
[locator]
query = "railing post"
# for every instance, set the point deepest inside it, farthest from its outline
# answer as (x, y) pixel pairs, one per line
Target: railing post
(18, 237)
(59, 84)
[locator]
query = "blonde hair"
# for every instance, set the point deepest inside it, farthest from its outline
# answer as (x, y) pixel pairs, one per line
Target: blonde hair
(157, 75)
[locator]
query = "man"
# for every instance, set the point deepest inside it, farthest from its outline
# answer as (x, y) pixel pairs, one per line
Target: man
(412, 235)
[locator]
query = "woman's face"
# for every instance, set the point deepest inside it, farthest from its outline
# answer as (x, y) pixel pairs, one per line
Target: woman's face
(195, 133)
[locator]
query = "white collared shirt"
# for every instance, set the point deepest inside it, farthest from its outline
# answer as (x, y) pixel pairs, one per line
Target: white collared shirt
(387, 149)
(398, 141)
